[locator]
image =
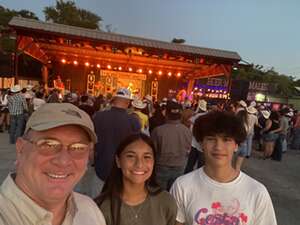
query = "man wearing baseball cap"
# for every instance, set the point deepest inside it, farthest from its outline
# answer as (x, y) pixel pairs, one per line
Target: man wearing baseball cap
(52, 156)
(112, 126)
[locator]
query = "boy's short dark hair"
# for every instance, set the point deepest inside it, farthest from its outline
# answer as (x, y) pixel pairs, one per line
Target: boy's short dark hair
(219, 123)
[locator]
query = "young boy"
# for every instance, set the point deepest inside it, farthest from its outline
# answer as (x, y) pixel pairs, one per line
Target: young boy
(217, 193)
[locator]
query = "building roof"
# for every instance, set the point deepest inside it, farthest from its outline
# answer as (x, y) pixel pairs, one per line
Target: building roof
(60, 29)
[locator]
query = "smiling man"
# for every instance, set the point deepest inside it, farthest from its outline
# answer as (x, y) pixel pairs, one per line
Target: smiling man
(217, 193)
(52, 157)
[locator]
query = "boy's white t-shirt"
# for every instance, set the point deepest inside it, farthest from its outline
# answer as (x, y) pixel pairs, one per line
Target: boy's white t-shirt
(202, 200)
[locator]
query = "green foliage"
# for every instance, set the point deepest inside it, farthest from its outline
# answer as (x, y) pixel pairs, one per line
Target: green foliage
(178, 40)
(283, 85)
(6, 15)
(7, 44)
(66, 12)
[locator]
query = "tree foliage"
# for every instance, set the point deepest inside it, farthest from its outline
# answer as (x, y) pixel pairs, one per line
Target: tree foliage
(6, 15)
(66, 12)
(178, 40)
(7, 44)
(283, 85)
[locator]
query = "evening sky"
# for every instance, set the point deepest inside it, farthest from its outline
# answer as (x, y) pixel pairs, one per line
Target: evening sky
(263, 32)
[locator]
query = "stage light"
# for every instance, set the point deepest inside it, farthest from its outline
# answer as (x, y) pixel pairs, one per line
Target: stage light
(63, 61)
(140, 70)
(75, 62)
(178, 74)
(130, 69)
(98, 66)
(120, 68)
(169, 74)
(109, 67)
(150, 71)
(87, 64)
(160, 72)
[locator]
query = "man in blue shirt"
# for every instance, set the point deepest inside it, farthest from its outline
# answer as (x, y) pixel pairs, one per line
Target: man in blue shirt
(112, 126)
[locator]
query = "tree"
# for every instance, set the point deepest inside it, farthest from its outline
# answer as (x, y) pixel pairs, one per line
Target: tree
(285, 85)
(7, 44)
(178, 40)
(66, 12)
(6, 15)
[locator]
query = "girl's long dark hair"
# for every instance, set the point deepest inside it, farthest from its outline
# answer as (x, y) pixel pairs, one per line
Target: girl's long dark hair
(113, 186)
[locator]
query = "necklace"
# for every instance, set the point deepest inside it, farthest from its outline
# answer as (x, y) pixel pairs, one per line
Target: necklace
(136, 212)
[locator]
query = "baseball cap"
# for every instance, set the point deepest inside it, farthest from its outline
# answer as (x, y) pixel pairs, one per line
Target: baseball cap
(173, 108)
(51, 115)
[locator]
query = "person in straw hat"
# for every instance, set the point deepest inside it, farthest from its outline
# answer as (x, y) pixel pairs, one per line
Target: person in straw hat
(249, 120)
(138, 106)
(196, 154)
(242, 105)
(252, 122)
(17, 107)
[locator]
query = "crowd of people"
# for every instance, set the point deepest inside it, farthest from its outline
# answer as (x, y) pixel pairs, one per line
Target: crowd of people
(165, 162)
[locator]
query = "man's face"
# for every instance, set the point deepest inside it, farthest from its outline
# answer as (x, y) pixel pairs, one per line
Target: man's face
(50, 178)
(218, 150)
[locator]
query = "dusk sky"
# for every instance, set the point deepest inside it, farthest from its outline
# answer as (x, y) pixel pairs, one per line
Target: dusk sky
(264, 32)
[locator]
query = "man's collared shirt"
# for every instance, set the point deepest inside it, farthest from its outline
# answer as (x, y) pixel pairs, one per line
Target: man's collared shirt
(17, 104)
(16, 208)
(172, 143)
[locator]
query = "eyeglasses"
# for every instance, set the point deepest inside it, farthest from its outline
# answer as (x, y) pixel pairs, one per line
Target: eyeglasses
(49, 147)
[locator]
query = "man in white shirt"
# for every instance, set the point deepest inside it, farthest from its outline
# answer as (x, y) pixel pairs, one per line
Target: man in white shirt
(52, 156)
(217, 193)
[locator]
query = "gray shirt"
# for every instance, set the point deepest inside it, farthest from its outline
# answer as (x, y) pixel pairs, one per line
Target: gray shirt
(172, 142)
(284, 123)
(160, 209)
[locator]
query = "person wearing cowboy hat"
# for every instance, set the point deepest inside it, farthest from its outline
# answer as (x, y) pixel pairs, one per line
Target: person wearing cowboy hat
(196, 154)
(281, 143)
(17, 107)
(252, 123)
(242, 105)
(249, 120)
(138, 106)
(112, 126)
(263, 116)
(149, 105)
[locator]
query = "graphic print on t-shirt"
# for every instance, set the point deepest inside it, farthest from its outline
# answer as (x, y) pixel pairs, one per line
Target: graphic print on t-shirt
(221, 213)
